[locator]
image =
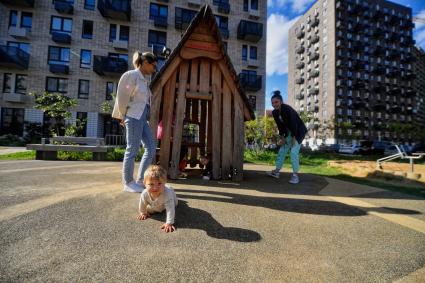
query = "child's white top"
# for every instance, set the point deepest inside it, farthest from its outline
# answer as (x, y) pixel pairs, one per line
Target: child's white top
(167, 200)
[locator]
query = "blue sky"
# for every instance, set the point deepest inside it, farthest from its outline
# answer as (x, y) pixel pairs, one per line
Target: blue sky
(282, 14)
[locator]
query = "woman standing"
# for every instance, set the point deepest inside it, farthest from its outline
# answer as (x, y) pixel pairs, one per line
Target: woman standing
(131, 108)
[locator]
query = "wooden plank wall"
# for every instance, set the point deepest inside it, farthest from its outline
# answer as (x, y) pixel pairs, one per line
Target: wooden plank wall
(238, 138)
(227, 142)
(194, 78)
(216, 120)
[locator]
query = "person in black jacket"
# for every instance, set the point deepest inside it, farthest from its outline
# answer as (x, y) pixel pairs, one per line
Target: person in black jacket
(291, 131)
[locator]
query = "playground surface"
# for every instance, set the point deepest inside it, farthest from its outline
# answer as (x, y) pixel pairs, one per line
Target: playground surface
(69, 221)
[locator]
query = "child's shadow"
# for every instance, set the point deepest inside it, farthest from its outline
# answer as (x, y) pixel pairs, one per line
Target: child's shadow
(193, 218)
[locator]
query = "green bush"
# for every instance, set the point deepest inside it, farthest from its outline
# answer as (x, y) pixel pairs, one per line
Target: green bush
(11, 140)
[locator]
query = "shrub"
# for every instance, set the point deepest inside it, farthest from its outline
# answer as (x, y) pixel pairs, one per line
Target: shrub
(11, 140)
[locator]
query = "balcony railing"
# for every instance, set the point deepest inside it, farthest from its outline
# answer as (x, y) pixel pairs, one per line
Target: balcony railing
(313, 91)
(300, 49)
(300, 65)
(19, 32)
(250, 82)
(161, 22)
(250, 31)
(14, 97)
(61, 37)
(109, 66)
(314, 39)
(19, 3)
(299, 34)
(13, 57)
(115, 9)
(299, 96)
(59, 69)
(64, 7)
(299, 81)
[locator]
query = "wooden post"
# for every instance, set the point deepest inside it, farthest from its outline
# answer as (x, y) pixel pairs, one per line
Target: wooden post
(178, 126)
(202, 126)
(227, 143)
(194, 86)
(167, 120)
(216, 121)
(153, 122)
(238, 145)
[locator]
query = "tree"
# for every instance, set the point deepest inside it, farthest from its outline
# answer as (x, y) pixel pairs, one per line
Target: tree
(253, 131)
(271, 134)
(55, 105)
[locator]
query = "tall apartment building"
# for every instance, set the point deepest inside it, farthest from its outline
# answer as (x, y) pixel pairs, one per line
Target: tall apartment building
(350, 69)
(419, 86)
(81, 47)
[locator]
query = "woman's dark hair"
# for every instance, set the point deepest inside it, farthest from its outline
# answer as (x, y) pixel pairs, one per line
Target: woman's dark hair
(139, 57)
(276, 94)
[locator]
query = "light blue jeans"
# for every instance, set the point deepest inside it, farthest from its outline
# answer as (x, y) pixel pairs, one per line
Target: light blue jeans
(295, 151)
(137, 131)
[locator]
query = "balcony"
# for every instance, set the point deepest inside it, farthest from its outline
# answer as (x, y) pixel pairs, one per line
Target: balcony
(378, 71)
(316, 108)
(115, 9)
(299, 96)
(300, 65)
(299, 34)
(395, 91)
(64, 7)
(224, 33)
(313, 91)
(314, 73)
(379, 107)
(250, 82)
(314, 56)
(314, 39)
(378, 33)
(299, 81)
(410, 92)
(359, 84)
(254, 13)
(194, 2)
(252, 63)
(14, 97)
(13, 57)
(358, 65)
(410, 76)
(223, 6)
(315, 22)
(59, 69)
(378, 88)
(300, 50)
(19, 3)
(408, 25)
(61, 37)
(19, 32)
(120, 44)
(160, 22)
(250, 31)
(109, 66)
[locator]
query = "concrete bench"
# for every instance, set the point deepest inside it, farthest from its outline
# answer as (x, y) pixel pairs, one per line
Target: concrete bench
(48, 151)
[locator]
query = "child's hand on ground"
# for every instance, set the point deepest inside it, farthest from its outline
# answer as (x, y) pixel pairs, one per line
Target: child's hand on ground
(168, 227)
(143, 216)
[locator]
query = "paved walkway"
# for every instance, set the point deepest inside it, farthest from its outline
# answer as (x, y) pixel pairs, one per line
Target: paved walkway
(8, 149)
(69, 221)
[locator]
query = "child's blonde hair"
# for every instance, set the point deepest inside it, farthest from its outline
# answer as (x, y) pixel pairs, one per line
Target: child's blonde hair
(155, 172)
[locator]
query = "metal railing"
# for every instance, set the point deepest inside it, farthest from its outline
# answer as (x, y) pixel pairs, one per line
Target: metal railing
(115, 140)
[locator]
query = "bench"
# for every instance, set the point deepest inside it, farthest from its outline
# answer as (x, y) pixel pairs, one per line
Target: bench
(48, 151)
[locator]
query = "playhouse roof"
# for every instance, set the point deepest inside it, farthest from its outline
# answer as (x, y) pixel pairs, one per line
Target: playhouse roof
(206, 15)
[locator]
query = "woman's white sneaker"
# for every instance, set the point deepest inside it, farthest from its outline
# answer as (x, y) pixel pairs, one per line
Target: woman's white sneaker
(132, 187)
(294, 179)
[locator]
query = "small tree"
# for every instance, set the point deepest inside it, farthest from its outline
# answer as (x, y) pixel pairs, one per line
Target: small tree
(253, 131)
(55, 105)
(271, 134)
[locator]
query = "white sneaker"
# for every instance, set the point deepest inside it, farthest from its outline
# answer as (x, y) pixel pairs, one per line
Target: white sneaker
(132, 187)
(273, 174)
(294, 179)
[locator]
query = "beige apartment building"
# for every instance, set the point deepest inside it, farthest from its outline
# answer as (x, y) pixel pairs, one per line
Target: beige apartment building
(351, 70)
(81, 47)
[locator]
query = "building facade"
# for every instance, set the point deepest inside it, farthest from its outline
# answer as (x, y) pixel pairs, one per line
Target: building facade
(351, 70)
(419, 86)
(81, 47)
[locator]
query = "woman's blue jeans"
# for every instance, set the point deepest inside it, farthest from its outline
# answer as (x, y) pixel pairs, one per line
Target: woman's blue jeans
(295, 151)
(137, 131)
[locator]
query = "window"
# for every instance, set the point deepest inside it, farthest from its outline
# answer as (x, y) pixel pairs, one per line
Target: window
(157, 38)
(12, 121)
(245, 5)
(58, 55)
(109, 90)
(61, 24)
(7, 78)
(117, 55)
(222, 22)
(13, 18)
(21, 84)
(89, 4)
(83, 89)
(158, 11)
(56, 85)
(23, 46)
(254, 4)
(244, 52)
(253, 52)
(85, 59)
(87, 29)
(123, 32)
(26, 20)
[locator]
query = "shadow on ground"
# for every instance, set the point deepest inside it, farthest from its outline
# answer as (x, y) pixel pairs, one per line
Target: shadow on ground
(194, 218)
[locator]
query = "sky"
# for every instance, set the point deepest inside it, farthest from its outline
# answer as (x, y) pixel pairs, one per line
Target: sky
(282, 14)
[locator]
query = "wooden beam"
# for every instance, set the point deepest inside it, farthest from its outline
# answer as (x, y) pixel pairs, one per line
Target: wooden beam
(167, 74)
(239, 143)
(203, 37)
(202, 126)
(216, 120)
(198, 95)
(178, 127)
(227, 143)
(167, 120)
(190, 53)
(155, 107)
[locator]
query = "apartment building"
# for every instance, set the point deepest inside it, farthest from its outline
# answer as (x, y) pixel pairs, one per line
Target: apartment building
(351, 70)
(81, 47)
(419, 86)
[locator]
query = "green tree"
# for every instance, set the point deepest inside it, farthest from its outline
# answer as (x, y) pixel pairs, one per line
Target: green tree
(271, 134)
(253, 131)
(55, 105)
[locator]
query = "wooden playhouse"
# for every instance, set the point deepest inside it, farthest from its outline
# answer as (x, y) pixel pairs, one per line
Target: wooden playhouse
(200, 103)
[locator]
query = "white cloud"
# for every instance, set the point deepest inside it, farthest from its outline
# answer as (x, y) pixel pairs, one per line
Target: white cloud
(297, 6)
(420, 15)
(277, 44)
